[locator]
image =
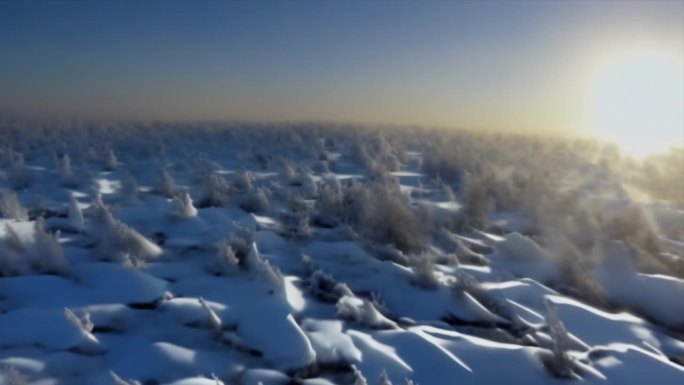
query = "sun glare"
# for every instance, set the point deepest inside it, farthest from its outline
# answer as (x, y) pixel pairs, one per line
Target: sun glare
(637, 101)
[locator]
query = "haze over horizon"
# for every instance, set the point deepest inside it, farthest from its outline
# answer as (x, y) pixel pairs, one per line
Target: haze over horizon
(558, 67)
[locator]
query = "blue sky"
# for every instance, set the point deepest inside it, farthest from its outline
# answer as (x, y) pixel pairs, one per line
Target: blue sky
(512, 65)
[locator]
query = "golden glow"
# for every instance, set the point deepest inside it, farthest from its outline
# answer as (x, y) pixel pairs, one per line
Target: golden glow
(637, 101)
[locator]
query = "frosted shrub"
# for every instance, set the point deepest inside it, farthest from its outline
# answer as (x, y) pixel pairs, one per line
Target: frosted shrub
(215, 191)
(321, 167)
(424, 272)
(183, 207)
(467, 283)
(561, 365)
(120, 381)
(255, 201)
(363, 312)
(20, 178)
(125, 239)
(389, 252)
(11, 258)
(391, 163)
(389, 219)
(89, 343)
(257, 263)
(384, 379)
(117, 240)
(226, 261)
(290, 175)
(11, 376)
(447, 192)
(465, 255)
(243, 181)
(110, 161)
(66, 176)
(46, 252)
(633, 226)
(11, 208)
(241, 244)
(325, 288)
(165, 187)
(75, 215)
(297, 224)
(12, 240)
(204, 168)
(476, 209)
(359, 379)
(214, 320)
(329, 204)
(128, 192)
(309, 185)
(575, 280)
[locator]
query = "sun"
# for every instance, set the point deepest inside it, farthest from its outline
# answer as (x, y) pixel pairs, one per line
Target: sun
(637, 101)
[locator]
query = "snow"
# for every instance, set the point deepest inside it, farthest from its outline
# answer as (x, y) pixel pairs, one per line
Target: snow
(142, 297)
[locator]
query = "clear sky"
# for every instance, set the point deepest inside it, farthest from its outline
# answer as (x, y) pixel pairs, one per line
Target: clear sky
(510, 65)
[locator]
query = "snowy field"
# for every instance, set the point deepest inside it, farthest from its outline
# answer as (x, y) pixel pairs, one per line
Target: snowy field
(209, 254)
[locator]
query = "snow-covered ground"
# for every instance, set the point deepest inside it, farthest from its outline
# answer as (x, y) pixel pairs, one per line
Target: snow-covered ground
(205, 255)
